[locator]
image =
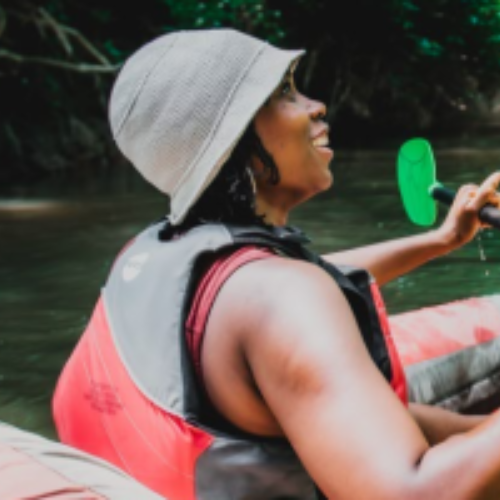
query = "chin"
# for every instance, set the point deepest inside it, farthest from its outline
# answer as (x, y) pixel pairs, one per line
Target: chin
(326, 183)
(322, 185)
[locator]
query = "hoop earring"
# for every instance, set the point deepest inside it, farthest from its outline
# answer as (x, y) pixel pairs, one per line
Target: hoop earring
(252, 180)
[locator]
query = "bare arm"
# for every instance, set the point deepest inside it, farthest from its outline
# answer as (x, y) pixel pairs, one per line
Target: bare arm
(391, 259)
(438, 424)
(352, 434)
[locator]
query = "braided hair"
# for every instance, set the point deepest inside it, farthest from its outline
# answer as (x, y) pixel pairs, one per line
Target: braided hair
(230, 197)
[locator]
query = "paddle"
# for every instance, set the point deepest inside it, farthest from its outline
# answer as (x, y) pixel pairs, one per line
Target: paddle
(416, 170)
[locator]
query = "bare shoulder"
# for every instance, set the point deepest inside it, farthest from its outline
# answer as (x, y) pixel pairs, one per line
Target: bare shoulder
(290, 317)
(296, 336)
(264, 311)
(274, 284)
(280, 294)
(296, 300)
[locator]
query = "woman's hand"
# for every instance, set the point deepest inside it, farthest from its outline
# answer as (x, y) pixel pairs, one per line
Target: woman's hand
(462, 222)
(394, 258)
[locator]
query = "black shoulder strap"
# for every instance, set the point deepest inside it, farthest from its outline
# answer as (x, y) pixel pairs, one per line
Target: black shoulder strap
(289, 240)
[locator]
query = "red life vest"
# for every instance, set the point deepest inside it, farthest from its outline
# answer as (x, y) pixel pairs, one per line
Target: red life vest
(128, 393)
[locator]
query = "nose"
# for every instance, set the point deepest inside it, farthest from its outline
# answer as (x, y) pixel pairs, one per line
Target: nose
(316, 109)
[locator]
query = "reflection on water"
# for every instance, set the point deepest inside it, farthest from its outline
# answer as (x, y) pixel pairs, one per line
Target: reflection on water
(58, 242)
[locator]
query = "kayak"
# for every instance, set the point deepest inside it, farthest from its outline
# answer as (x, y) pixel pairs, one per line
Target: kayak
(451, 354)
(33, 467)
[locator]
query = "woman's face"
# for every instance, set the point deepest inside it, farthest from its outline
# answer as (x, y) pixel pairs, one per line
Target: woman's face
(292, 130)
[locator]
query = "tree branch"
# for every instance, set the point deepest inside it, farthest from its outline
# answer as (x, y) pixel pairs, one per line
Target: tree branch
(85, 43)
(60, 34)
(54, 63)
(63, 33)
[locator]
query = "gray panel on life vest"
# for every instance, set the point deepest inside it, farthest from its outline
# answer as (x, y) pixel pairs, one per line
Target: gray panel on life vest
(459, 380)
(150, 279)
(234, 469)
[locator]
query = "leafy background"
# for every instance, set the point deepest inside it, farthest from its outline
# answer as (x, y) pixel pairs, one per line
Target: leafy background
(385, 68)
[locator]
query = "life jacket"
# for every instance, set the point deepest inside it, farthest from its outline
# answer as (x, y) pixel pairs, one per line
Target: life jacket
(129, 394)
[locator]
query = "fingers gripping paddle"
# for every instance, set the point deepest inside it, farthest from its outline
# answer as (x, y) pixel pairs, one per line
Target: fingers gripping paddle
(419, 187)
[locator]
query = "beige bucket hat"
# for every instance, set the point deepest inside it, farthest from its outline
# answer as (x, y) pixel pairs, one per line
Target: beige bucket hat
(181, 102)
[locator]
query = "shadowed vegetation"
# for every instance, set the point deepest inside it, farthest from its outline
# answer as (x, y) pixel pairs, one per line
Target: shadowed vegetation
(383, 68)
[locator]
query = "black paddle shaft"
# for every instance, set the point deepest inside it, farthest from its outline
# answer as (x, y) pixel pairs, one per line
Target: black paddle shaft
(444, 195)
(488, 214)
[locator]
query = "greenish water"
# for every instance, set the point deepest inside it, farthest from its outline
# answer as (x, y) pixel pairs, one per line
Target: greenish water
(58, 240)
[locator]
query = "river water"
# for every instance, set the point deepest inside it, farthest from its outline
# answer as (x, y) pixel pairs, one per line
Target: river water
(58, 240)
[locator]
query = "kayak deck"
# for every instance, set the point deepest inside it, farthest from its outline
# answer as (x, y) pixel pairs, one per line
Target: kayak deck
(451, 353)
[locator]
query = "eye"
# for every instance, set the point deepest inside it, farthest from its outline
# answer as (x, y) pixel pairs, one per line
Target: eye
(287, 88)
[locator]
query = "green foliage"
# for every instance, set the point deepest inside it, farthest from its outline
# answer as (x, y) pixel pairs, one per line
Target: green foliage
(381, 67)
(252, 16)
(398, 66)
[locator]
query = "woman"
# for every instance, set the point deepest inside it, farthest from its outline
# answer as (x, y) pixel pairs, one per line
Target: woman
(224, 360)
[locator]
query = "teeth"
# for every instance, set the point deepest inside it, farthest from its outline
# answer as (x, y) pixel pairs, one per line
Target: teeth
(320, 141)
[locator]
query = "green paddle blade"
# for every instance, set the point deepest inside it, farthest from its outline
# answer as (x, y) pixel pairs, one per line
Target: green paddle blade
(416, 171)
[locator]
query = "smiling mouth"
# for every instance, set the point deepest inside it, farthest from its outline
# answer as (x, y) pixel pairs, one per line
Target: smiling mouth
(321, 141)
(322, 145)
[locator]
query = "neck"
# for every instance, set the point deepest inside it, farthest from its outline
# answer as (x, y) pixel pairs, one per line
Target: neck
(273, 214)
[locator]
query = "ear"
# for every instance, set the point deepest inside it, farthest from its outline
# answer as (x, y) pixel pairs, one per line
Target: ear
(256, 167)
(259, 174)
